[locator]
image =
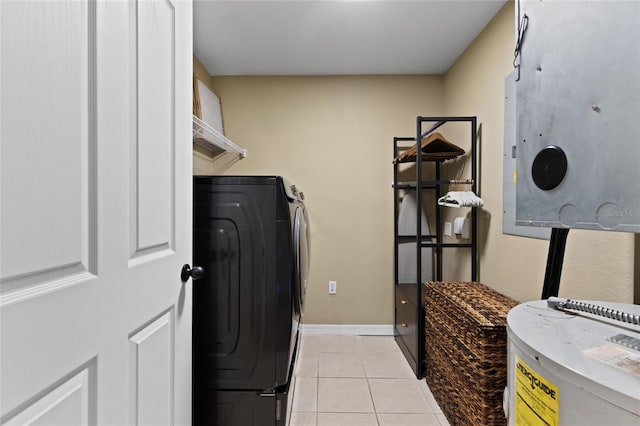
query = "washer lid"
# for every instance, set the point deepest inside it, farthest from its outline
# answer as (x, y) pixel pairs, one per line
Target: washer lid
(583, 348)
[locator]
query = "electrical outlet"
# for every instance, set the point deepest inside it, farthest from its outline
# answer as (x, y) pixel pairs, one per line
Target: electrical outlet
(332, 287)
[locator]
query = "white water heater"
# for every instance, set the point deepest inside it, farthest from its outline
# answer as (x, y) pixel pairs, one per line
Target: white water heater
(573, 366)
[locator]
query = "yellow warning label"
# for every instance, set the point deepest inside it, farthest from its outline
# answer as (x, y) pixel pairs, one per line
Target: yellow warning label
(536, 399)
(515, 176)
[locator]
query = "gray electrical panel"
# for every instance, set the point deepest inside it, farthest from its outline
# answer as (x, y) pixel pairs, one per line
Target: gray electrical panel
(509, 171)
(578, 114)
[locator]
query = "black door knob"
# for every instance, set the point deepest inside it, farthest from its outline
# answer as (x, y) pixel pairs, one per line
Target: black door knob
(196, 273)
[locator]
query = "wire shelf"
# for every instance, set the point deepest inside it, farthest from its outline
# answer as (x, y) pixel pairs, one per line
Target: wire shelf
(212, 140)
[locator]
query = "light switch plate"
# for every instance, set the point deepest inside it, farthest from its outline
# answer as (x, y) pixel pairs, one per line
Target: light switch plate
(447, 229)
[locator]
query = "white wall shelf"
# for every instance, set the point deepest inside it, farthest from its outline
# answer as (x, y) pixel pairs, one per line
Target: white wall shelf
(212, 140)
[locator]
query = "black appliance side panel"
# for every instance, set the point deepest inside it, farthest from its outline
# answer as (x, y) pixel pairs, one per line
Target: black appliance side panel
(285, 333)
(233, 326)
(238, 409)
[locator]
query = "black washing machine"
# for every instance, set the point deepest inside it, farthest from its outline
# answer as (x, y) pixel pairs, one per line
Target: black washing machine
(251, 235)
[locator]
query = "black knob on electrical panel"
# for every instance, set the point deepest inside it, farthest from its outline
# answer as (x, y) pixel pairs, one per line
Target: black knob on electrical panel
(549, 167)
(196, 273)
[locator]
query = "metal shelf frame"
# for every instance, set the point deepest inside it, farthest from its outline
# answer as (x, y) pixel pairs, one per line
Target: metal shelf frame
(416, 360)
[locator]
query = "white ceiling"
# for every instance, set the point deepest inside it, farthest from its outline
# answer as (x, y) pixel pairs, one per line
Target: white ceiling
(307, 37)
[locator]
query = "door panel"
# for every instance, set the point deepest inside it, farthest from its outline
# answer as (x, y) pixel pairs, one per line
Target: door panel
(150, 375)
(61, 214)
(155, 42)
(71, 403)
(91, 334)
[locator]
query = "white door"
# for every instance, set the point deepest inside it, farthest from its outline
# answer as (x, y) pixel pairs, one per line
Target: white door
(95, 212)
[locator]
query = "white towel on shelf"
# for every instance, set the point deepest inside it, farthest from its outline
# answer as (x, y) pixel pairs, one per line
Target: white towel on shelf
(461, 199)
(407, 262)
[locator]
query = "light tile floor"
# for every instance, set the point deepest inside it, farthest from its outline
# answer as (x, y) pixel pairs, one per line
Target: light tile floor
(359, 380)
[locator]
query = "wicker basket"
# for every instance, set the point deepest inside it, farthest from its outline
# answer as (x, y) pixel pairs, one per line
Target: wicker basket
(466, 350)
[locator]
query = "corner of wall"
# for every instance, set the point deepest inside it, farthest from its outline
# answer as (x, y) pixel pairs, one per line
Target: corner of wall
(202, 73)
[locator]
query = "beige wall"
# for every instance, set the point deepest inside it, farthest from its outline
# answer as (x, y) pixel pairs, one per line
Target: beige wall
(598, 265)
(203, 162)
(332, 137)
(201, 73)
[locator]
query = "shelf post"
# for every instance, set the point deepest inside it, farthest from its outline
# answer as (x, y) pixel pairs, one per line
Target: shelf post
(474, 211)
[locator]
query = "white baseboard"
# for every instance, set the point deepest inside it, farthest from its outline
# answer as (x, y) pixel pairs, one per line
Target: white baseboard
(348, 329)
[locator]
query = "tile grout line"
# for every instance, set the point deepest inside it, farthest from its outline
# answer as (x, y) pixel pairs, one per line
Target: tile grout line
(360, 351)
(373, 402)
(366, 375)
(317, 389)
